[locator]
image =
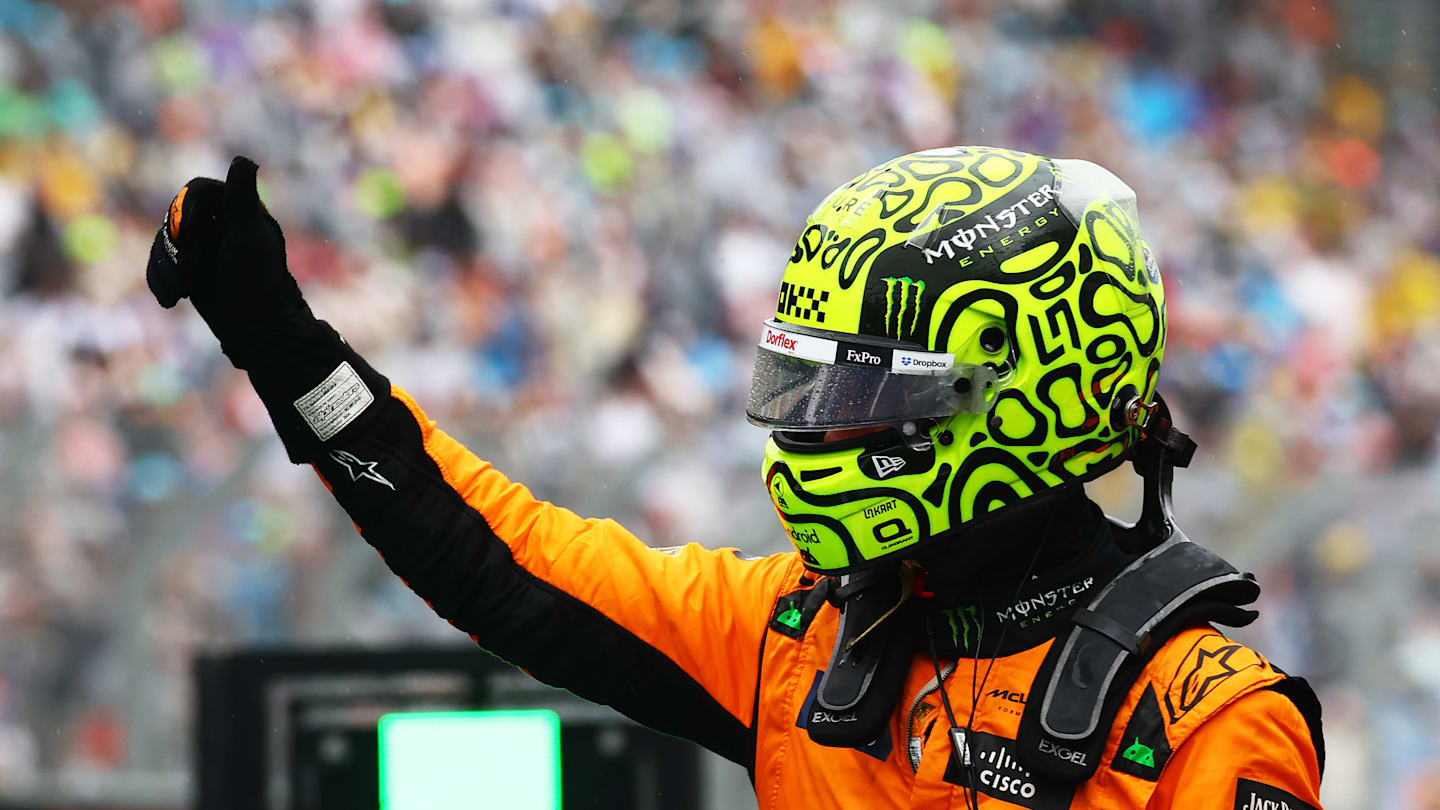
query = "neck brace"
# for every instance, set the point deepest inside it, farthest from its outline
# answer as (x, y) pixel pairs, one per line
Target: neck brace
(871, 657)
(1132, 607)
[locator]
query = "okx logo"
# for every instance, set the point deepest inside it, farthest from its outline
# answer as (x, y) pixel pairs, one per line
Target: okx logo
(806, 303)
(902, 305)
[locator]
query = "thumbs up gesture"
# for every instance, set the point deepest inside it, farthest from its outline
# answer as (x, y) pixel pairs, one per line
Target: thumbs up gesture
(220, 248)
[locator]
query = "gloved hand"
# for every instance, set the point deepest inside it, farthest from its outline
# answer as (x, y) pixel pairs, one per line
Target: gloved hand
(220, 248)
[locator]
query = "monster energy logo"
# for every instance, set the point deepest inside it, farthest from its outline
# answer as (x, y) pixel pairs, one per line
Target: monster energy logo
(904, 285)
(961, 620)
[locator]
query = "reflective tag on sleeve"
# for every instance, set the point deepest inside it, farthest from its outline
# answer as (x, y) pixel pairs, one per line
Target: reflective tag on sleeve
(335, 402)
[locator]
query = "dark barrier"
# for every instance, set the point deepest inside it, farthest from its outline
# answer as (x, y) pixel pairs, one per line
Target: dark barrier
(283, 729)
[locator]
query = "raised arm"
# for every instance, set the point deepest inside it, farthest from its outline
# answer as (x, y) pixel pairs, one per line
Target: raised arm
(670, 639)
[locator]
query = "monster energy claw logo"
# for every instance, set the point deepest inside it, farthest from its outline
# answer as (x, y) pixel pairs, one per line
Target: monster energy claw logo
(961, 619)
(900, 304)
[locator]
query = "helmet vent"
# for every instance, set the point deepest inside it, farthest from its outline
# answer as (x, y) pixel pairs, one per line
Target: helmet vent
(992, 339)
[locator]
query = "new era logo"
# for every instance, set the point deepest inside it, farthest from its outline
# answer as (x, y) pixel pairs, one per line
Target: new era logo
(886, 466)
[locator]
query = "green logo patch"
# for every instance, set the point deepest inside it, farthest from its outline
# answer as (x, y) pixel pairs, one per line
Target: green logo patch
(1140, 754)
(1148, 748)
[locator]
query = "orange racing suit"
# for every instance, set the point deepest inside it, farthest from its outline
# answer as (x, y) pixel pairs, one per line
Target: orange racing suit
(727, 651)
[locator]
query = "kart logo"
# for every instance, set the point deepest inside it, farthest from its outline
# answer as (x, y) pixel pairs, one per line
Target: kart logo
(359, 469)
(886, 466)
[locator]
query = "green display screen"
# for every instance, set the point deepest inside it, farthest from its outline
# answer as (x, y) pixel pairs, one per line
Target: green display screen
(467, 760)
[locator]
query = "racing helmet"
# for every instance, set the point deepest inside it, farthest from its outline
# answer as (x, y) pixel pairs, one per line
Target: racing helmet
(997, 312)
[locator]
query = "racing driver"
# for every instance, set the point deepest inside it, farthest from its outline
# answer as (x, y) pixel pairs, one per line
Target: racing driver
(963, 338)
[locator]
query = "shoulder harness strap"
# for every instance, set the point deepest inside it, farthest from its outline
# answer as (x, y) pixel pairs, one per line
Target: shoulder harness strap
(1089, 670)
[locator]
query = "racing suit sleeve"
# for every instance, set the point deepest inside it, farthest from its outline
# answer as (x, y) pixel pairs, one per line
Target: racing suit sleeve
(670, 638)
(1261, 748)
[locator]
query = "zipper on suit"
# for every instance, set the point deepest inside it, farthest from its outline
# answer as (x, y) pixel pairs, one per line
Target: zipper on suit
(912, 750)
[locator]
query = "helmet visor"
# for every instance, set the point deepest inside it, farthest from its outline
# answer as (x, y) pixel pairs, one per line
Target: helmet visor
(807, 382)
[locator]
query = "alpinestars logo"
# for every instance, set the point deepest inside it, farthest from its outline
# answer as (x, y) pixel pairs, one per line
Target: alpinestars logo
(900, 305)
(886, 466)
(1211, 661)
(359, 469)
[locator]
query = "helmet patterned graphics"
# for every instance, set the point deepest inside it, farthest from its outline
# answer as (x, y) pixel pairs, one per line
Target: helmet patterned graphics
(1030, 265)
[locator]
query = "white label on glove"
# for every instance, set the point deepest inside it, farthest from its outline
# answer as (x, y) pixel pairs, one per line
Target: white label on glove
(335, 403)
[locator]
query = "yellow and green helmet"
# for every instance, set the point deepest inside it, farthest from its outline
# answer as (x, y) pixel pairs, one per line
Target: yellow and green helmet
(999, 310)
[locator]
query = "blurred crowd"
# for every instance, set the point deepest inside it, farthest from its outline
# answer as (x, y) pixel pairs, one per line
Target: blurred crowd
(560, 223)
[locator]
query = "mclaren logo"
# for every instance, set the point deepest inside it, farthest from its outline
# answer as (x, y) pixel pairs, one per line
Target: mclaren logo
(886, 466)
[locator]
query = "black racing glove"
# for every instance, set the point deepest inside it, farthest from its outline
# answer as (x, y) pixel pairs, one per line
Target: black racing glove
(220, 248)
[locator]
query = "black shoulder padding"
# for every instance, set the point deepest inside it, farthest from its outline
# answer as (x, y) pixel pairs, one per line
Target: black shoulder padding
(1090, 669)
(1299, 692)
